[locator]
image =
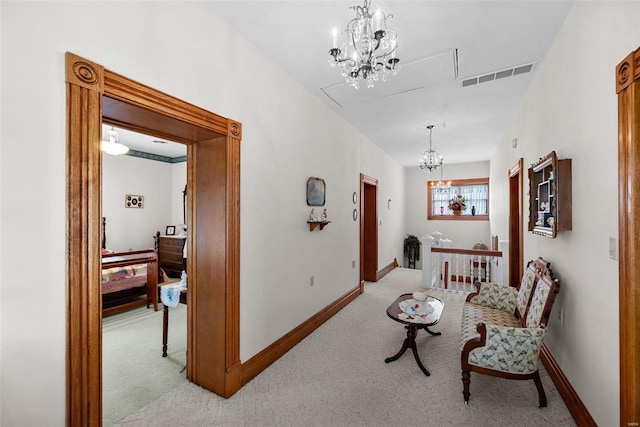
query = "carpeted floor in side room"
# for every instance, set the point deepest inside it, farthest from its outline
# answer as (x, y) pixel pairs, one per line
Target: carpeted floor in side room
(337, 377)
(134, 373)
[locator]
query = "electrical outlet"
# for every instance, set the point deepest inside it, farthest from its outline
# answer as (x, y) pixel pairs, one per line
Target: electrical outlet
(613, 248)
(353, 264)
(311, 281)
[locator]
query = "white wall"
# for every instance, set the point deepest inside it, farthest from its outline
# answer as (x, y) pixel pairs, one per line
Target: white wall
(464, 234)
(178, 181)
(288, 135)
(134, 228)
(571, 108)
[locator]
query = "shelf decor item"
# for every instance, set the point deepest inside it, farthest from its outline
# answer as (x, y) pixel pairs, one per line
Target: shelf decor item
(550, 196)
(458, 204)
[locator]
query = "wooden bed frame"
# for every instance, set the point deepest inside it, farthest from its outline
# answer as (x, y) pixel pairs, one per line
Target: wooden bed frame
(137, 295)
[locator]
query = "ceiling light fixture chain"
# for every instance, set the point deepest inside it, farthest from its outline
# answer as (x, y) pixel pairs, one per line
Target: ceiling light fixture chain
(369, 49)
(431, 159)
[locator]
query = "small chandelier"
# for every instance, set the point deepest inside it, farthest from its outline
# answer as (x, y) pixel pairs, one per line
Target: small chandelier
(441, 186)
(111, 145)
(369, 49)
(431, 159)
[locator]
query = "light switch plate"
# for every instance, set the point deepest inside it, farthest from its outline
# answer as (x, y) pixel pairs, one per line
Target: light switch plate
(613, 248)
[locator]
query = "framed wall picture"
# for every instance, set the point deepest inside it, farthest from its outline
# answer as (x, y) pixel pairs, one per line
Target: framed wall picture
(133, 201)
(316, 191)
(171, 230)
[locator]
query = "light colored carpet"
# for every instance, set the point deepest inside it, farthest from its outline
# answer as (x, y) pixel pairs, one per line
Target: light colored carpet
(134, 373)
(337, 377)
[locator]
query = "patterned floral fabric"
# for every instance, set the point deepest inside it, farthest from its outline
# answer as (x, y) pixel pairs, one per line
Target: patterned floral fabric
(472, 314)
(496, 296)
(540, 295)
(512, 350)
(525, 290)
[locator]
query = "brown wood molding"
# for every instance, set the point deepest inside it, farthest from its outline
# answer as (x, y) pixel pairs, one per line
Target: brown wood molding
(368, 180)
(235, 129)
(266, 357)
(233, 365)
(571, 399)
(386, 270)
(94, 96)
(479, 252)
(84, 301)
(516, 222)
(83, 73)
(368, 228)
(628, 71)
(628, 87)
(451, 217)
(139, 95)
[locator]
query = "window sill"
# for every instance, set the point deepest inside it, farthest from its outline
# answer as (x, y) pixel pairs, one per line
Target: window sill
(459, 218)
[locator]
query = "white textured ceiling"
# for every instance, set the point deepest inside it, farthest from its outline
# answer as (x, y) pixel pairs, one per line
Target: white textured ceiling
(469, 122)
(147, 144)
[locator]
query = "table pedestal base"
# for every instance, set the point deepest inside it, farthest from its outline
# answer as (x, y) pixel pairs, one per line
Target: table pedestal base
(410, 342)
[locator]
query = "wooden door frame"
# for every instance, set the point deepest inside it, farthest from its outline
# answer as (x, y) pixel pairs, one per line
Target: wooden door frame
(367, 215)
(628, 90)
(213, 155)
(516, 224)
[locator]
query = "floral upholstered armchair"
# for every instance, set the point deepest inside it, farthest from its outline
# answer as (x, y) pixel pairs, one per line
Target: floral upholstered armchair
(503, 327)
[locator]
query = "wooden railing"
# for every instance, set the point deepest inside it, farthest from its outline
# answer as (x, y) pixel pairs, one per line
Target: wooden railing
(457, 269)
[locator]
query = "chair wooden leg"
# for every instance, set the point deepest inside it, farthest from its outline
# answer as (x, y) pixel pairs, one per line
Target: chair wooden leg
(541, 396)
(466, 380)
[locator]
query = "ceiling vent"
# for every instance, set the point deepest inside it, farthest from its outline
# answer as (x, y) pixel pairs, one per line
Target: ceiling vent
(496, 75)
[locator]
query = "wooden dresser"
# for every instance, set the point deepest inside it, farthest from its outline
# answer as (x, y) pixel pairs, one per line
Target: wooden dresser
(170, 250)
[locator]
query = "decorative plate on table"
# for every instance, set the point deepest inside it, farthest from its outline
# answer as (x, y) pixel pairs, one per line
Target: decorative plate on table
(413, 307)
(412, 318)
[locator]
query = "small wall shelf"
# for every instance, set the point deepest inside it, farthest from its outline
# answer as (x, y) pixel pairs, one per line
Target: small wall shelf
(314, 224)
(550, 196)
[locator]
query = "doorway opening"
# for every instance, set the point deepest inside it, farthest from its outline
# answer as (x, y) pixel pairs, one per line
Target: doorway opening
(516, 241)
(368, 229)
(156, 170)
(94, 95)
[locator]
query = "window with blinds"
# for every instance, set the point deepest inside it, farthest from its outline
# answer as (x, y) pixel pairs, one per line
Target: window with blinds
(472, 193)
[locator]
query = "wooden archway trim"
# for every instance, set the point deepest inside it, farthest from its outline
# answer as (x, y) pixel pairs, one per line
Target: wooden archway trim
(85, 84)
(213, 156)
(516, 238)
(368, 229)
(628, 90)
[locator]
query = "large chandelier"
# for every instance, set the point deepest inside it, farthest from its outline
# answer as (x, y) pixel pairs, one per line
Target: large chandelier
(431, 159)
(368, 51)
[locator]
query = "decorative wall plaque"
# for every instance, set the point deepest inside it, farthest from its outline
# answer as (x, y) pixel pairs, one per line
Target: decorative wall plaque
(133, 201)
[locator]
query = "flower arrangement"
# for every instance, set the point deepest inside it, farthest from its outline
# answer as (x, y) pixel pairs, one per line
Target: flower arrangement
(458, 203)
